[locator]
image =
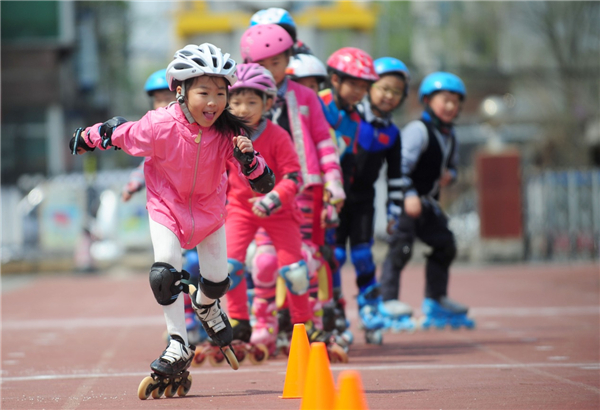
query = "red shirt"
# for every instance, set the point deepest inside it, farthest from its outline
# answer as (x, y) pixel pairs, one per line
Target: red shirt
(277, 148)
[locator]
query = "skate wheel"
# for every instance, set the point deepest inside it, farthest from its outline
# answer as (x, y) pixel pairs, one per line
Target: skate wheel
(158, 392)
(185, 386)
(230, 356)
(259, 354)
(145, 388)
(199, 358)
(374, 337)
(216, 359)
(240, 351)
(337, 354)
(169, 391)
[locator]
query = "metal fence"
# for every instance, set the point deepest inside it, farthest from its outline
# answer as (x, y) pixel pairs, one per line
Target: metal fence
(562, 210)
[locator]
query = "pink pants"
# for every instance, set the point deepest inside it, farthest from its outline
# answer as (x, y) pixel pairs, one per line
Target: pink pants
(283, 227)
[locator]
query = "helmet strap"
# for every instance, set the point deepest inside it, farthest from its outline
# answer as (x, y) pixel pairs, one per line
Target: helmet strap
(444, 127)
(183, 105)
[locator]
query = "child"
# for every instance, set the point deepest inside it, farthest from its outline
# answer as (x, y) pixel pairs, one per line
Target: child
(250, 98)
(378, 142)
(307, 70)
(281, 17)
(297, 109)
(189, 145)
(160, 95)
(351, 74)
(429, 154)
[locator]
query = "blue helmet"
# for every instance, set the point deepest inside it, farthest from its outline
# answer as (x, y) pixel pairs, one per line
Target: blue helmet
(442, 81)
(391, 65)
(387, 65)
(273, 15)
(156, 81)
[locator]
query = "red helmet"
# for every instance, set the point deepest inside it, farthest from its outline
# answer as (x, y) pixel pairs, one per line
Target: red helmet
(353, 62)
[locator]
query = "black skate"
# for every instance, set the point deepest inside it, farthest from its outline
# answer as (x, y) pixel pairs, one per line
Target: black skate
(217, 326)
(336, 351)
(170, 373)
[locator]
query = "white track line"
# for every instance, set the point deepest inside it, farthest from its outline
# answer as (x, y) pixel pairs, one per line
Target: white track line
(145, 321)
(535, 311)
(281, 367)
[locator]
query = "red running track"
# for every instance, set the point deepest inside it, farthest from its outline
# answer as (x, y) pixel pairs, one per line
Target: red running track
(86, 342)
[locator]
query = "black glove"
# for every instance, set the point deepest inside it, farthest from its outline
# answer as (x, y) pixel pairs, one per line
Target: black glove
(245, 159)
(106, 130)
(77, 141)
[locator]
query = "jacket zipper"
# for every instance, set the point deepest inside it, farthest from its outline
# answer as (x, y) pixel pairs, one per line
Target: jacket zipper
(197, 141)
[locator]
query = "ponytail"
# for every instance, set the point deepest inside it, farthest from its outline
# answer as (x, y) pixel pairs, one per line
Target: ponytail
(229, 124)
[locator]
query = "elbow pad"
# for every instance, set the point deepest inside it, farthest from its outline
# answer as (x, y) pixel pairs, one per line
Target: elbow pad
(264, 183)
(106, 130)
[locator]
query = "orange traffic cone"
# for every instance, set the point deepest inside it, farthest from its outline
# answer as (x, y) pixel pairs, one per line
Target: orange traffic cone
(297, 364)
(319, 389)
(351, 395)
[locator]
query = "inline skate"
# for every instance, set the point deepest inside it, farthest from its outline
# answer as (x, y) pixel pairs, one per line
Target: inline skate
(371, 320)
(216, 324)
(336, 352)
(397, 316)
(445, 312)
(169, 372)
(241, 344)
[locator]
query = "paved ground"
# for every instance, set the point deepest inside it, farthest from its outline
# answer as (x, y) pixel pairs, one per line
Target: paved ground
(85, 342)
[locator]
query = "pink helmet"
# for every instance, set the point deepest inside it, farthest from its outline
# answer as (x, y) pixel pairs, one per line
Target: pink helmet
(264, 41)
(353, 62)
(255, 76)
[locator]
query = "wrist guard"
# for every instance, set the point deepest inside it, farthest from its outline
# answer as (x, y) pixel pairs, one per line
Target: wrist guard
(106, 131)
(269, 203)
(245, 159)
(77, 141)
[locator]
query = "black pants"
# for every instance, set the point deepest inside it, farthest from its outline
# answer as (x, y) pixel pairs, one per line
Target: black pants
(431, 227)
(356, 223)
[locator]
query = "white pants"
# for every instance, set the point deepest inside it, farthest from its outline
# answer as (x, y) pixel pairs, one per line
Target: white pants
(212, 256)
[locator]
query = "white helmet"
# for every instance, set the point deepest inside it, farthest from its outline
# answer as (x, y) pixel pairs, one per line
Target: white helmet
(195, 61)
(306, 65)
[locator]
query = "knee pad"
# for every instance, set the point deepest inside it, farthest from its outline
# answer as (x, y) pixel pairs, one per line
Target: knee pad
(296, 277)
(362, 259)
(309, 254)
(340, 255)
(166, 282)
(191, 264)
(214, 290)
(444, 256)
(236, 271)
(264, 267)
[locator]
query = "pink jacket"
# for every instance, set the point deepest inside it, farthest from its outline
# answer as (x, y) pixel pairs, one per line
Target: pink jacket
(186, 180)
(317, 153)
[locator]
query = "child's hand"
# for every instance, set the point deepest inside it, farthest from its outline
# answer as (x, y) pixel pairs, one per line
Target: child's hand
(265, 205)
(243, 144)
(412, 206)
(446, 179)
(243, 152)
(77, 144)
(391, 226)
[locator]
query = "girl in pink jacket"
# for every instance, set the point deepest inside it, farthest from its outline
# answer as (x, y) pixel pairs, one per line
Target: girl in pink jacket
(189, 144)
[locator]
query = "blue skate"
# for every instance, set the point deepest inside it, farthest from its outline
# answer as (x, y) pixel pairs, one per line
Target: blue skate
(397, 316)
(368, 311)
(445, 312)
